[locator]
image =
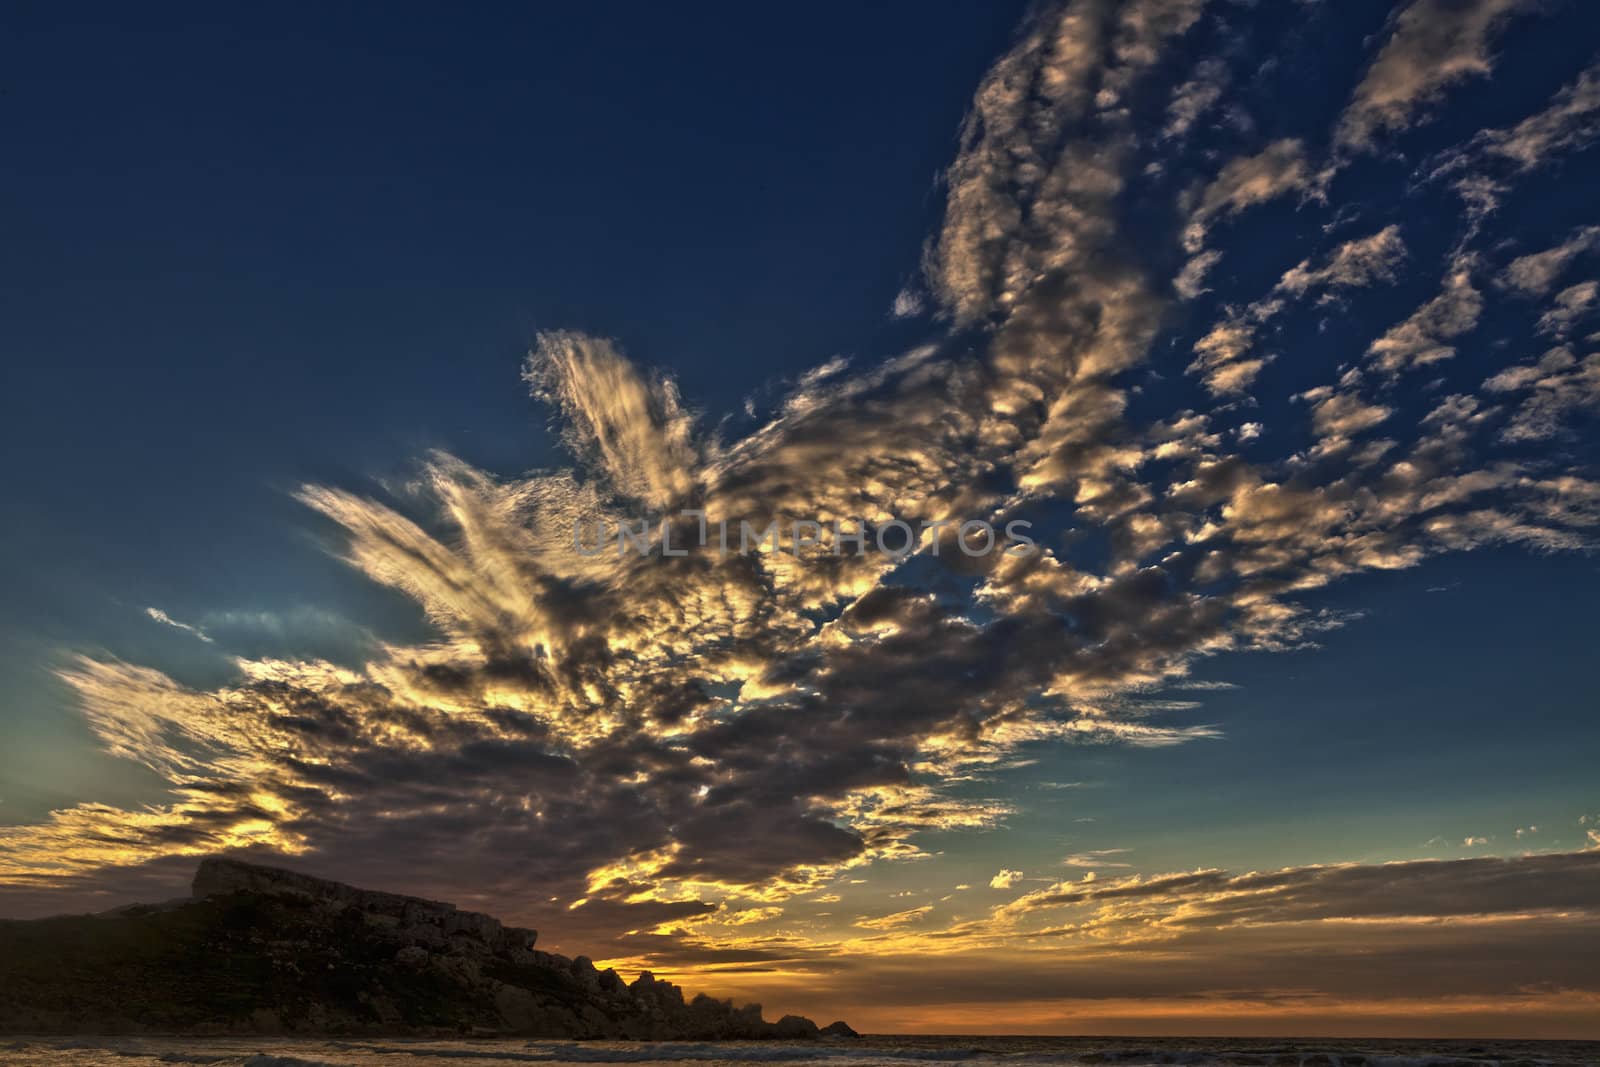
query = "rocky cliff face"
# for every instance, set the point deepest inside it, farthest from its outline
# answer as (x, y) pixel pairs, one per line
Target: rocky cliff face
(261, 950)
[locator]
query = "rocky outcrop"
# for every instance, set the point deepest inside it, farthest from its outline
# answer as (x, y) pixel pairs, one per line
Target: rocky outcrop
(262, 950)
(427, 924)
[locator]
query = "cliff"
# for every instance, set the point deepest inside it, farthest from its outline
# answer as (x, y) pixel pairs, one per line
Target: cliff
(261, 950)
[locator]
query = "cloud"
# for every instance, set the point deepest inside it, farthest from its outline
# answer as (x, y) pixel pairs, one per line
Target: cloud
(1570, 122)
(1353, 264)
(1190, 281)
(1005, 879)
(1043, 150)
(1096, 858)
(1220, 357)
(1277, 170)
(1424, 336)
(1536, 273)
(1550, 392)
(1226, 356)
(897, 919)
(167, 620)
(1549, 882)
(1569, 307)
(635, 431)
(1434, 44)
(1402, 943)
(1482, 169)
(749, 916)
(1342, 414)
(1195, 97)
(908, 304)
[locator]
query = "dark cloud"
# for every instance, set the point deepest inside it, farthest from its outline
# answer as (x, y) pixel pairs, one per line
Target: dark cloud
(1558, 882)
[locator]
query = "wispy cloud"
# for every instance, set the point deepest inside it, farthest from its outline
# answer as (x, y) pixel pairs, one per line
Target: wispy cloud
(1434, 44)
(1097, 858)
(897, 919)
(167, 620)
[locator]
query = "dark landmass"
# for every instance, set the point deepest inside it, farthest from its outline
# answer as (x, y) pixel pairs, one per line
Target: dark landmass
(256, 950)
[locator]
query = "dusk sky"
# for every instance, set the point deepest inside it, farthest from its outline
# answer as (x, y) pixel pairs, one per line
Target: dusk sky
(323, 327)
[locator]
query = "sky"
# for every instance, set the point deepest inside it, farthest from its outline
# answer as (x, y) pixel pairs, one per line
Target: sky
(324, 331)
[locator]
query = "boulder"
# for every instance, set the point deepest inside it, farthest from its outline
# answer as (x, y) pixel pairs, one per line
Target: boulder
(792, 1027)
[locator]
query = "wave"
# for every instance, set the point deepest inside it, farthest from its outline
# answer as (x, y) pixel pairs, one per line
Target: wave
(755, 1053)
(869, 1053)
(866, 1052)
(97, 1053)
(678, 1051)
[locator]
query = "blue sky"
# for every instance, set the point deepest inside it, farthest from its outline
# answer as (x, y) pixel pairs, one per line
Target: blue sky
(249, 251)
(1273, 284)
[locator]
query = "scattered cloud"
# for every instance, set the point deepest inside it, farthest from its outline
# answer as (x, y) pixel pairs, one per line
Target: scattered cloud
(1226, 357)
(1483, 170)
(1434, 44)
(1196, 96)
(1570, 122)
(1190, 281)
(1549, 393)
(1536, 273)
(1005, 879)
(1425, 336)
(1277, 170)
(1569, 307)
(908, 303)
(1353, 264)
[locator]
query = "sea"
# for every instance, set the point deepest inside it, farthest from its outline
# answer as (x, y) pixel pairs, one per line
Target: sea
(871, 1051)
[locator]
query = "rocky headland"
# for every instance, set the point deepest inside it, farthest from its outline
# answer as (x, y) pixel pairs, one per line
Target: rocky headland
(257, 950)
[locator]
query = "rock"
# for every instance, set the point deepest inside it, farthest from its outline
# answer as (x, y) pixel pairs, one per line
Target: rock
(412, 956)
(514, 938)
(421, 934)
(257, 950)
(482, 927)
(838, 1029)
(791, 1027)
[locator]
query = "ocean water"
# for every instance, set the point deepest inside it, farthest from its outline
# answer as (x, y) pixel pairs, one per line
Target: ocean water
(865, 1052)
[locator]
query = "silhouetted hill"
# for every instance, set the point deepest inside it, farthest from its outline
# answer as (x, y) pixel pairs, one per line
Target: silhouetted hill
(261, 950)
